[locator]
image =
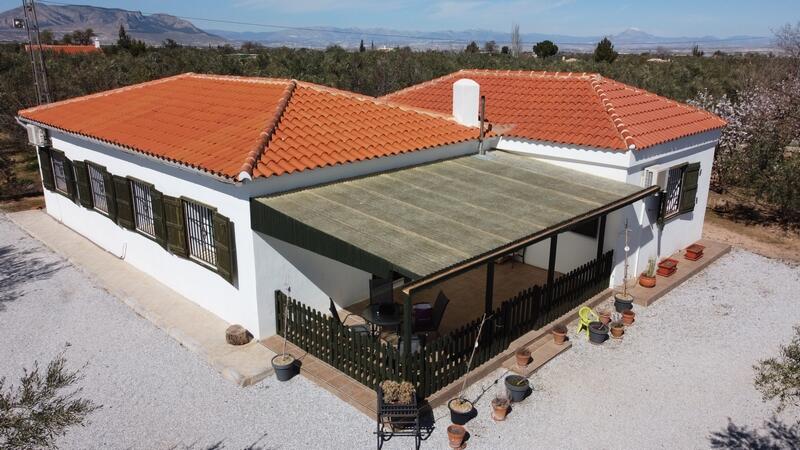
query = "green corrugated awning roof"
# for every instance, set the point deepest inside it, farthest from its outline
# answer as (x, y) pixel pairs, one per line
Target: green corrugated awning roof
(422, 220)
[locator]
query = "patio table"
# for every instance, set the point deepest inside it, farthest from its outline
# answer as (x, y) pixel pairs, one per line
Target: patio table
(383, 316)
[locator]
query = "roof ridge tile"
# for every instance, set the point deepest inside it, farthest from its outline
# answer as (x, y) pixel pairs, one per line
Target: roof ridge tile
(616, 120)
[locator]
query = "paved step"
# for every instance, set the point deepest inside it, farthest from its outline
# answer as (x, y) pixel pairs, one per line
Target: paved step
(540, 355)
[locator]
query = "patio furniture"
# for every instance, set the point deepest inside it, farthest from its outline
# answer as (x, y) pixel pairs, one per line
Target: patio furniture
(359, 328)
(397, 420)
(586, 316)
(432, 325)
(383, 316)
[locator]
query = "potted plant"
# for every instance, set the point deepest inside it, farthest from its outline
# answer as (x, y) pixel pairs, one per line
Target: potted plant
(648, 278)
(559, 334)
(398, 402)
(461, 409)
(667, 267)
(500, 406)
(628, 317)
(523, 356)
(605, 316)
(598, 332)
(284, 364)
(623, 300)
(517, 387)
(455, 435)
(617, 330)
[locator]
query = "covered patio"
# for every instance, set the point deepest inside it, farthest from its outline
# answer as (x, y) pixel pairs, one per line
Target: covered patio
(444, 225)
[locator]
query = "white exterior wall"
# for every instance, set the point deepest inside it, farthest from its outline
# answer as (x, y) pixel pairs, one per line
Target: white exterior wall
(646, 238)
(263, 264)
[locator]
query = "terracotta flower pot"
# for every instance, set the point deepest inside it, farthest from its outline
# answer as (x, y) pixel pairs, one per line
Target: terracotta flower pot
(617, 330)
(523, 356)
(605, 317)
(646, 281)
(694, 252)
(499, 409)
(559, 334)
(628, 317)
(455, 435)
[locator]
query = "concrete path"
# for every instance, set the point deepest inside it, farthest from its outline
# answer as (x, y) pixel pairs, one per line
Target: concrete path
(192, 326)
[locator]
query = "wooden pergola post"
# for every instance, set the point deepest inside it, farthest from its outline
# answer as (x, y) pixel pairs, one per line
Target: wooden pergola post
(489, 298)
(601, 235)
(407, 316)
(551, 265)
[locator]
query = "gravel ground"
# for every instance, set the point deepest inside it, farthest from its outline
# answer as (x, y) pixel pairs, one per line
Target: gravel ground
(681, 373)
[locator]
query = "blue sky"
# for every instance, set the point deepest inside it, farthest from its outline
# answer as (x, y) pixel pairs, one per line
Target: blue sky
(574, 17)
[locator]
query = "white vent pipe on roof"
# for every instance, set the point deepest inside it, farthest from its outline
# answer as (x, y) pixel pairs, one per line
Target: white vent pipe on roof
(466, 99)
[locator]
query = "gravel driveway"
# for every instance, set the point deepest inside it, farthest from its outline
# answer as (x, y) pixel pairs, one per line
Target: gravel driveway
(678, 376)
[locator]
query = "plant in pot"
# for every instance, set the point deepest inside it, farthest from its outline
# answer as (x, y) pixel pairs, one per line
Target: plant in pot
(623, 300)
(598, 332)
(500, 406)
(648, 278)
(455, 435)
(559, 334)
(617, 330)
(628, 317)
(284, 364)
(398, 403)
(523, 356)
(461, 409)
(517, 387)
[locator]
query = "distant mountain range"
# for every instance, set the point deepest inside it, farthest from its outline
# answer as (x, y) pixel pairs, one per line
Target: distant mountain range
(155, 28)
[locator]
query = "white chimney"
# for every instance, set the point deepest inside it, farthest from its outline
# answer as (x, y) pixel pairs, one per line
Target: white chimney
(96, 42)
(466, 97)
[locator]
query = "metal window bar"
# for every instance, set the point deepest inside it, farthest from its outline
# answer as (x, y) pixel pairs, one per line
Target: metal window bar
(98, 186)
(58, 173)
(674, 180)
(200, 232)
(143, 208)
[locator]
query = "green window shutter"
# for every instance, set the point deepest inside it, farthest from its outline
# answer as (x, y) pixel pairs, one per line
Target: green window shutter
(69, 175)
(689, 187)
(122, 197)
(224, 244)
(82, 182)
(111, 201)
(176, 232)
(158, 216)
(47, 168)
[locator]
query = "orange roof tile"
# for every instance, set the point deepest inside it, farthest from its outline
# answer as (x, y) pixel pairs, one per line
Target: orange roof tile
(69, 49)
(568, 108)
(263, 127)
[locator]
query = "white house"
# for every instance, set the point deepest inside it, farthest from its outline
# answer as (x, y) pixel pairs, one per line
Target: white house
(227, 189)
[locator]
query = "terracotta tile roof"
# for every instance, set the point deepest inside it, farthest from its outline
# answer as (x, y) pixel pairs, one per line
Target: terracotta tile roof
(263, 127)
(568, 108)
(69, 49)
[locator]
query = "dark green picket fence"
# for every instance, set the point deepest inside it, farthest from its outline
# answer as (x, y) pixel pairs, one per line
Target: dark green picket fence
(443, 360)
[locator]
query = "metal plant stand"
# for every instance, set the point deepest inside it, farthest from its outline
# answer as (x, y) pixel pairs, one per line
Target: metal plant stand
(397, 420)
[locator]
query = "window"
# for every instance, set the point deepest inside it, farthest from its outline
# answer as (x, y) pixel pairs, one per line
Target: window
(59, 173)
(98, 187)
(143, 208)
(200, 232)
(673, 191)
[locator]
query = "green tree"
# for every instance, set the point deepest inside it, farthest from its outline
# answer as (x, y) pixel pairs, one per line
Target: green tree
(605, 51)
(779, 378)
(490, 47)
(472, 48)
(170, 43)
(83, 37)
(46, 37)
(696, 52)
(545, 49)
(505, 50)
(361, 47)
(38, 411)
(66, 38)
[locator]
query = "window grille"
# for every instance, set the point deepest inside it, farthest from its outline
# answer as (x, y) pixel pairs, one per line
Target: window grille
(59, 174)
(200, 232)
(98, 186)
(143, 208)
(673, 191)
